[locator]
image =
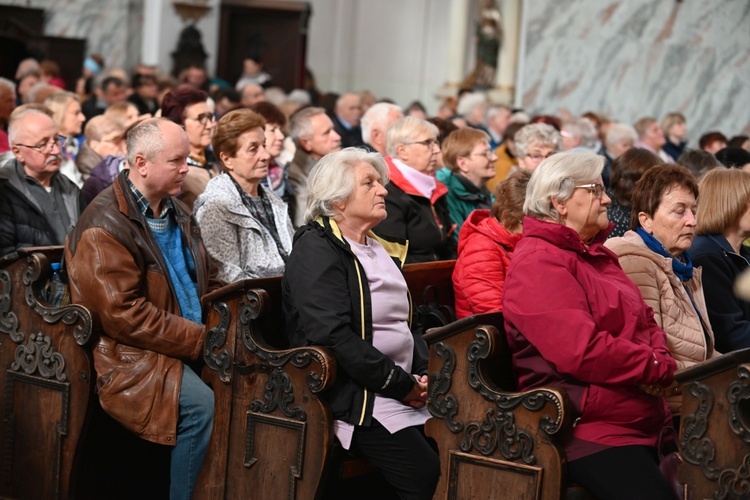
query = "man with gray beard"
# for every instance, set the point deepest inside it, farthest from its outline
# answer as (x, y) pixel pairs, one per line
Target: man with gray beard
(38, 205)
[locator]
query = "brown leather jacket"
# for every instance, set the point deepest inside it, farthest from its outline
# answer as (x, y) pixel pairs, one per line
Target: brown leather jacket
(117, 270)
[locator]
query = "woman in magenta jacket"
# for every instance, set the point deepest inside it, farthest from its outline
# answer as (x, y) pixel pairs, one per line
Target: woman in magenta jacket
(485, 245)
(574, 319)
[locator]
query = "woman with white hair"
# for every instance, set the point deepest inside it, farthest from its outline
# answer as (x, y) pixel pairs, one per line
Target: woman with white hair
(574, 319)
(343, 289)
(417, 203)
(535, 142)
(67, 115)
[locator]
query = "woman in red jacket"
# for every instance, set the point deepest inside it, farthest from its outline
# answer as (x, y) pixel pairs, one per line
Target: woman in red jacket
(574, 319)
(485, 245)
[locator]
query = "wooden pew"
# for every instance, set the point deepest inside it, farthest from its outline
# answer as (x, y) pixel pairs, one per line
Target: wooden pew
(273, 434)
(493, 441)
(45, 380)
(715, 427)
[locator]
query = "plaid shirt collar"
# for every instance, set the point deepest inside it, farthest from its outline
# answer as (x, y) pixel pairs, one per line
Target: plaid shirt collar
(145, 207)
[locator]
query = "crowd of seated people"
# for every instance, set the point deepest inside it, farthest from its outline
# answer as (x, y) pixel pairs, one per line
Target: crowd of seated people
(524, 203)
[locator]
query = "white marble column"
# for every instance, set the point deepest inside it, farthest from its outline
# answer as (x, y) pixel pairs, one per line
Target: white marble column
(505, 79)
(458, 38)
(152, 23)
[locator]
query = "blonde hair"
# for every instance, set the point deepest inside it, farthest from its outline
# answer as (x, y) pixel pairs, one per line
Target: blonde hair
(58, 103)
(405, 130)
(724, 198)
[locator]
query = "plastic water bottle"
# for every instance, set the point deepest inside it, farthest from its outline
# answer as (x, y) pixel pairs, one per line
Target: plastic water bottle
(56, 286)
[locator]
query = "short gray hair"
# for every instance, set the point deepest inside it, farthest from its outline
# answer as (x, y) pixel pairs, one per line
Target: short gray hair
(405, 130)
(7, 84)
(540, 133)
(583, 128)
(556, 178)
(619, 132)
(300, 124)
(145, 139)
(332, 180)
(469, 101)
(377, 114)
(17, 121)
(494, 110)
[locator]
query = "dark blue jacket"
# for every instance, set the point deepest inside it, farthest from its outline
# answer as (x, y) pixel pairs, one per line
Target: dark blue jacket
(728, 314)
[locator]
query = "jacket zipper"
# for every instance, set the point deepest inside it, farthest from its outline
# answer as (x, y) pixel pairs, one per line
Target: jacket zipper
(362, 322)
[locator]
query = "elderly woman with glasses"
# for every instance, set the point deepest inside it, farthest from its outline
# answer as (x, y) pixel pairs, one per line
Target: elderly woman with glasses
(470, 163)
(574, 319)
(536, 142)
(417, 205)
(654, 254)
(343, 289)
(188, 107)
(245, 226)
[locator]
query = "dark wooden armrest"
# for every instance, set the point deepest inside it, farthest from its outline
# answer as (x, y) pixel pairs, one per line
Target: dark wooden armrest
(713, 366)
(483, 429)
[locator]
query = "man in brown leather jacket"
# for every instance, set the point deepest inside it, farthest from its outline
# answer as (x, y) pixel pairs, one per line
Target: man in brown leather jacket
(137, 261)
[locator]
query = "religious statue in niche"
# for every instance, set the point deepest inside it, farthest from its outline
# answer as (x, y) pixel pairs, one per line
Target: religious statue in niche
(489, 38)
(189, 52)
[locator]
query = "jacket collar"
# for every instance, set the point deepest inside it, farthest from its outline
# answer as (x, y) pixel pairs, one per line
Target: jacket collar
(463, 188)
(397, 178)
(396, 249)
(128, 205)
(565, 237)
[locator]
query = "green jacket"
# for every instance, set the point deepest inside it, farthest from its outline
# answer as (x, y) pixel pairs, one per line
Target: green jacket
(463, 197)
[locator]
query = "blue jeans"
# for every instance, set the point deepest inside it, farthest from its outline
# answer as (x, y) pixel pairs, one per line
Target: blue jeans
(193, 433)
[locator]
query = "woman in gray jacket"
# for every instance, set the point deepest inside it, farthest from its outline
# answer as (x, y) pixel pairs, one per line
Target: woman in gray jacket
(246, 228)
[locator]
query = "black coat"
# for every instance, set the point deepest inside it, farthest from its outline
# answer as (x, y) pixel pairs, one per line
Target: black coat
(351, 137)
(424, 223)
(728, 314)
(22, 222)
(326, 301)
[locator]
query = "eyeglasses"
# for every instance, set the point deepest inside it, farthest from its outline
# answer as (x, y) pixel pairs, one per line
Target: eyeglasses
(487, 153)
(204, 118)
(430, 143)
(596, 188)
(539, 157)
(49, 146)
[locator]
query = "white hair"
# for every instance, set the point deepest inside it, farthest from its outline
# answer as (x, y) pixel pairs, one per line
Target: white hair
(5, 83)
(619, 132)
(17, 122)
(405, 130)
(555, 179)
(377, 114)
(540, 133)
(469, 101)
(332, 180)
(583, 128)
(300, 124)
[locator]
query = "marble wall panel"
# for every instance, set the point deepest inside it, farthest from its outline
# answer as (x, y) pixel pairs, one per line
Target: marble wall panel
(633, 58)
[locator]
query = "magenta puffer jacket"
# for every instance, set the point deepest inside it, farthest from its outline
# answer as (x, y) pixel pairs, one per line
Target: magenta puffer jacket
(574, 319)
(484, 250)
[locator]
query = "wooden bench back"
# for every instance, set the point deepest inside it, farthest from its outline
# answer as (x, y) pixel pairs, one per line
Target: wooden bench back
(45, 380)
(491, 439)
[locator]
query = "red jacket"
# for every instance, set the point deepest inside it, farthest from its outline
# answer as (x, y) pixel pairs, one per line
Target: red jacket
(484, 248)
(574, 319)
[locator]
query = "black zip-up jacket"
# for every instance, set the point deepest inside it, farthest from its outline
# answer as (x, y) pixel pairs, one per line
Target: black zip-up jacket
(326, 300)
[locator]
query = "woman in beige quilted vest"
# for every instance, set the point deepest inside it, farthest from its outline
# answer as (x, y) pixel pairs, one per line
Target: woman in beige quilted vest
(654, 255)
